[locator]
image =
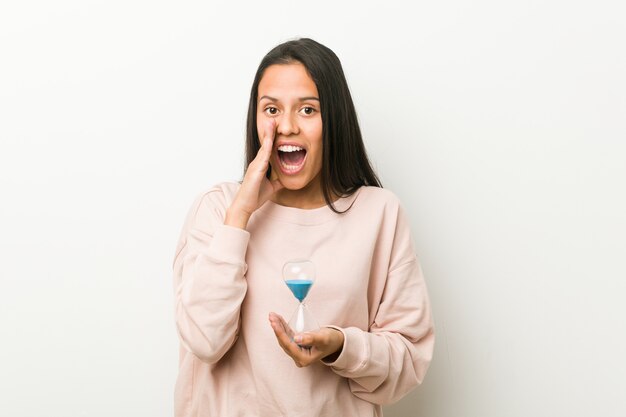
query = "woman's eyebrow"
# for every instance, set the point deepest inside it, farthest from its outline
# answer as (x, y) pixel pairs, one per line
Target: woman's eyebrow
(301, 98)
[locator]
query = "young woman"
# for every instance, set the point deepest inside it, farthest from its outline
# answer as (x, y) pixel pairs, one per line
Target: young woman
(308, 192)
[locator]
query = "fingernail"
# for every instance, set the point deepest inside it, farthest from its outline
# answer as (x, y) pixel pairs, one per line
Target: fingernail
(297, 339)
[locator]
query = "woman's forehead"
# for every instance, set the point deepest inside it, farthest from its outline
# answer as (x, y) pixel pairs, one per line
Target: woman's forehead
(287, 82)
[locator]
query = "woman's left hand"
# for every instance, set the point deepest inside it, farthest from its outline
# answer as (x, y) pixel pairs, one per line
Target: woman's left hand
(307, 348)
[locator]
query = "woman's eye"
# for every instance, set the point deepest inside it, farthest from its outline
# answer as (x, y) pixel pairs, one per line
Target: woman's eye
(271, 110)
(308, 110)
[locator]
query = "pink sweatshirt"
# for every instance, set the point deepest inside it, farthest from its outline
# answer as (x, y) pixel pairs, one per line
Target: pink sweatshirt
(369, 285)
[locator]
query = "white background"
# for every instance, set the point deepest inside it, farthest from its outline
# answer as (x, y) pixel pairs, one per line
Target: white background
(499, 124)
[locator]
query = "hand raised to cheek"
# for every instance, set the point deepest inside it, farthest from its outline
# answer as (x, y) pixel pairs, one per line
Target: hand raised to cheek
(255, 189)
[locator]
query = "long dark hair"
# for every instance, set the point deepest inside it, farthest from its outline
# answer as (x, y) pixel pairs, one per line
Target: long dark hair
(345, 166)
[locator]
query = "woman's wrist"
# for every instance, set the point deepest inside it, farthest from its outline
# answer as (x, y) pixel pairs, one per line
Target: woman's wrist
(236, 218)
(339, 343)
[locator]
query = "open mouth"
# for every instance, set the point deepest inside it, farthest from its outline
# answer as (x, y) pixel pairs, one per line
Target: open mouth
(291, 158)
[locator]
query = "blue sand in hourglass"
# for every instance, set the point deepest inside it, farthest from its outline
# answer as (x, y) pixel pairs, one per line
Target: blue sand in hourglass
(299, 287)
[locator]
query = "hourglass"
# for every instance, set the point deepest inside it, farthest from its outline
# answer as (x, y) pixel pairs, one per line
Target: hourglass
(299, 276)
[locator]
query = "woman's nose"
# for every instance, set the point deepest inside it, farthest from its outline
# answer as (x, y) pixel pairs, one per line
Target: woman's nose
(287, 125)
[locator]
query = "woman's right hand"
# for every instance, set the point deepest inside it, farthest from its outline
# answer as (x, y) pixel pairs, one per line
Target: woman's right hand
(255, 189)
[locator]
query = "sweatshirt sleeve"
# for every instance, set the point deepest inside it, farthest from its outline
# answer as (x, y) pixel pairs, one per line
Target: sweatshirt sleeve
(209, 284)
(386, 362)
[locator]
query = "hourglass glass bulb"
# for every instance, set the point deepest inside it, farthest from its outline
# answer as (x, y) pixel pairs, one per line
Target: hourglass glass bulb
(299, 276)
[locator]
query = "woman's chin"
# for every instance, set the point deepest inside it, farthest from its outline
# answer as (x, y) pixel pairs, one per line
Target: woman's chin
(292, 184)
(295, 182)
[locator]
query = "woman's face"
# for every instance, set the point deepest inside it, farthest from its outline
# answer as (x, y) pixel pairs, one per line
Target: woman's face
(288, 95)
